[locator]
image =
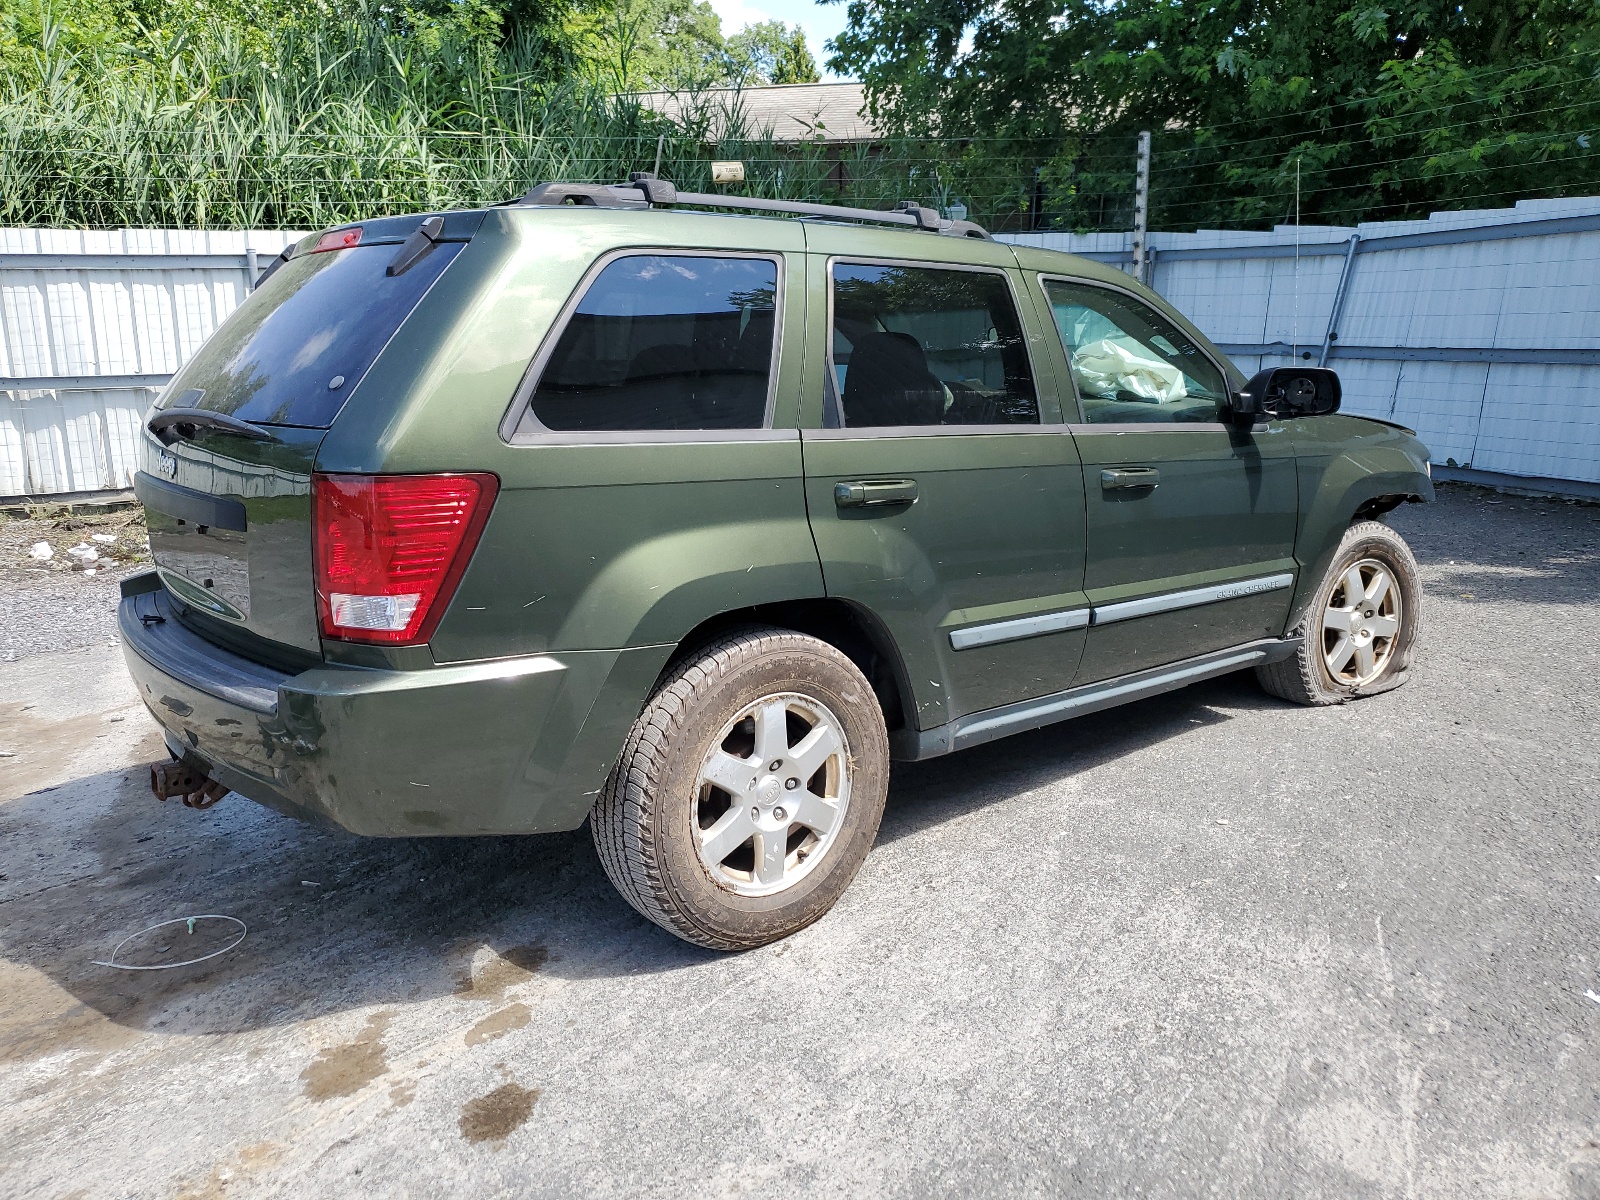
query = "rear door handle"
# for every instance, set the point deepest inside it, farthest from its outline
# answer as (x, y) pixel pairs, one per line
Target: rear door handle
(866, 493)
(1129, 477)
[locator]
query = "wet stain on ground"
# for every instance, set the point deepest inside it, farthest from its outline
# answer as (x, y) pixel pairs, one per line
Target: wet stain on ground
(494, 1117)
(506, 969)
(49, 749)
(41, 1017)
(498, 1024)
(402, 1094)
(345, 1070)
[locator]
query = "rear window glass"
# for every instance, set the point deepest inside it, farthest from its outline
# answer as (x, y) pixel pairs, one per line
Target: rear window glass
(301, 342)
(665, 341)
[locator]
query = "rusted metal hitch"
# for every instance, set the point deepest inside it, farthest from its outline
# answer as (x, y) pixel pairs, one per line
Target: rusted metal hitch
(186, 777)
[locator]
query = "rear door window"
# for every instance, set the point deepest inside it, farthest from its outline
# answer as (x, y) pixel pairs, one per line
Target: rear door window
(299, 344)
(665, 341)
(927, 346)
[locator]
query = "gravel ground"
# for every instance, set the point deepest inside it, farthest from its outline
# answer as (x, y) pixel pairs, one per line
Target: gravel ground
(1207, 944)
(57, 604)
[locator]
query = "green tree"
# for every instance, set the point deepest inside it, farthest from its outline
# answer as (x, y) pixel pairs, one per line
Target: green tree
(672, 44)
(771, 52)
(1374, 111)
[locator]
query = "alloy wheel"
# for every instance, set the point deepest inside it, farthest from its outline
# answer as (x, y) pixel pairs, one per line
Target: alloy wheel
(1361, 623)
(771, 794)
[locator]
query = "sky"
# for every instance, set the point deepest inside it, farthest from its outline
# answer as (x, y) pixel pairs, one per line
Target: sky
(820, 21)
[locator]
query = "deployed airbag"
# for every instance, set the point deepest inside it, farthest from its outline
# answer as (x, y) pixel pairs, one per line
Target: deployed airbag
(1120, 369)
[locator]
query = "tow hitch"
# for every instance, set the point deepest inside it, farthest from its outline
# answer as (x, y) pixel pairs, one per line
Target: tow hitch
(187, 777)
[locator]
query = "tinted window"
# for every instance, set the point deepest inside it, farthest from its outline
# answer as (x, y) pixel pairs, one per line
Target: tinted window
(320, 318)
(665, 342)
(1132, 364)
(927, 346)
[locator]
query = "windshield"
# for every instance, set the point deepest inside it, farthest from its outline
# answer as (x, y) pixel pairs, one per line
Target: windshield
(301, 342)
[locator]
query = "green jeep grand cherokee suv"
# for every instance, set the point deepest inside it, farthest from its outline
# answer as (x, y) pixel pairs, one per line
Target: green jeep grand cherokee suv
(601, 505)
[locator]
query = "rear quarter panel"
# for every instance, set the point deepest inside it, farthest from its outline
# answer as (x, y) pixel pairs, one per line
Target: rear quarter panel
(598, 545)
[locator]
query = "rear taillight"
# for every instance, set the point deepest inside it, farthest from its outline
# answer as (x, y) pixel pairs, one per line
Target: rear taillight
(338, 239)
(390, 550)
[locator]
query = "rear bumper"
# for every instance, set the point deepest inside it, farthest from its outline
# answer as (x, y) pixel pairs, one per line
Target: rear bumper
(517, 745)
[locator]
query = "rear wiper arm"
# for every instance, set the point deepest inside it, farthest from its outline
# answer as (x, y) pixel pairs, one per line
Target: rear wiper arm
(175, 424)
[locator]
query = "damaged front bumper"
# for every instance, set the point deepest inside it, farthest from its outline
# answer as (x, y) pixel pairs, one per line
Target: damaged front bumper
(518, 745)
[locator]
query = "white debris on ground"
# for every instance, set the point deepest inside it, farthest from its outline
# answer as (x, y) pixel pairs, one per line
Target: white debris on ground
(59, 572)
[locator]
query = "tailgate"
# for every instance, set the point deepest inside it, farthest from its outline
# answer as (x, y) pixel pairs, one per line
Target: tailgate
(228, 491)
(230, 532)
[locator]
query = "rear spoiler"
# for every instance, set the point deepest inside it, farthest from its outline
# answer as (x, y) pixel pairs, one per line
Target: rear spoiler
(428, 228)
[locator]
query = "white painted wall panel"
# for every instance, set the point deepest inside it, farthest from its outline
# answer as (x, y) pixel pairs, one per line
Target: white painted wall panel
(1222, 296)
(155, 332)
(124, 414)
(13, 452)
(1298, 298)
(1522, 294)
(102, 321)
(1440, 400)
(27, 325)
(1541, 420)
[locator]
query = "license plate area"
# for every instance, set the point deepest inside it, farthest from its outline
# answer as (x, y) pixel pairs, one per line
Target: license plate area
(204, 565)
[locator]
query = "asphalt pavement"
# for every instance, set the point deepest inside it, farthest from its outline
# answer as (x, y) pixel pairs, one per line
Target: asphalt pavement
(1208, 944)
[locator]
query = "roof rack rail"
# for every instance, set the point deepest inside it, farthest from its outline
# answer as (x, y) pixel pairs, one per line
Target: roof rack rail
(644, 190)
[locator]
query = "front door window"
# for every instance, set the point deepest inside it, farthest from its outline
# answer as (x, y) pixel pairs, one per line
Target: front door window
(1130, 363)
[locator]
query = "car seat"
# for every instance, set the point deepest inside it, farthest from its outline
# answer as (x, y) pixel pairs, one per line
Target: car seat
(888, 383)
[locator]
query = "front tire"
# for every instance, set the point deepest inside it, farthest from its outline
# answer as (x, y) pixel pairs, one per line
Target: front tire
(1360, 630)
(748, 792)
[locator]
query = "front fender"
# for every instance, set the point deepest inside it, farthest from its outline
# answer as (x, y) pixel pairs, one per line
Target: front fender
(1343, 463)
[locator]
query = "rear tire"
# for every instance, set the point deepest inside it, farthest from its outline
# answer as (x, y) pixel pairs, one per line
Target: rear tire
(748, 792)
(1360, 631)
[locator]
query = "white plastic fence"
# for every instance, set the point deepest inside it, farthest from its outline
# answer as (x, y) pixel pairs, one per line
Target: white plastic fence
(92, 324)
(1481, 330)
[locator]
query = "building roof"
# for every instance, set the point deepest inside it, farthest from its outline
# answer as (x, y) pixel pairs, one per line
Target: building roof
(791, 112)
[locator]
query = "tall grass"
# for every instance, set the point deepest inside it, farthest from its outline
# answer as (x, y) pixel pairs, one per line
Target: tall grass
(354, 121)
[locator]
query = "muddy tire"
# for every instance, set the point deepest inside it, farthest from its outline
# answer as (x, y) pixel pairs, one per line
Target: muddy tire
(748, 792)
(1360, 630)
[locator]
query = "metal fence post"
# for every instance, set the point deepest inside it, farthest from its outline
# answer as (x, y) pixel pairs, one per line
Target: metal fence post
(1141, 209)
(1338, 298)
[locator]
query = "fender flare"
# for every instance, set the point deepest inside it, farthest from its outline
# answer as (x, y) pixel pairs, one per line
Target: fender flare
(1331, 501)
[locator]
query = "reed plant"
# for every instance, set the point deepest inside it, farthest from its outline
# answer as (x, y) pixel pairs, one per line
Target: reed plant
(354, 120)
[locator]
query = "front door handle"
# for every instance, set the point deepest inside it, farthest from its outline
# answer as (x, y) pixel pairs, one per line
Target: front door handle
(1129, 477)
(866, 493)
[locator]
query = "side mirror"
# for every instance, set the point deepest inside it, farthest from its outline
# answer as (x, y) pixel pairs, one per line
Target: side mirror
(1288, 392)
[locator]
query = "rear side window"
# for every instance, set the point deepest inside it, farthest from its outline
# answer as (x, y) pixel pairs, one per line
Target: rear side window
(927, 346)
(301, 342)
(665, 341)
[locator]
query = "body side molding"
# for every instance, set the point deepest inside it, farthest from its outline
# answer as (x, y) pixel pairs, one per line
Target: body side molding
(1125, 610)
(1103, 614)
(1022, 627)
(909, 745)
